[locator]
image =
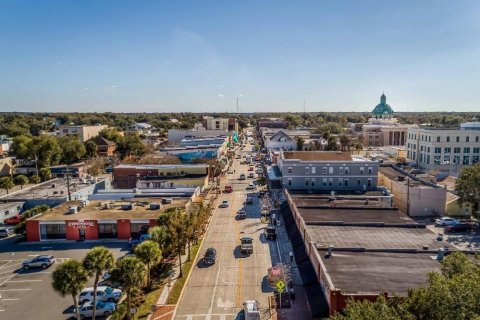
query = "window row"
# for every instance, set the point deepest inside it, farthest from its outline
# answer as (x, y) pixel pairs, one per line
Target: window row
(330, 170)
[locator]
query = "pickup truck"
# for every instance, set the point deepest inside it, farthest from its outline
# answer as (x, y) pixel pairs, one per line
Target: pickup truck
(135, 242)
(246, 245)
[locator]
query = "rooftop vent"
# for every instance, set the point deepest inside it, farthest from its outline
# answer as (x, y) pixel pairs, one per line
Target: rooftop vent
(154, 206)
(72, 209)
(128, 206)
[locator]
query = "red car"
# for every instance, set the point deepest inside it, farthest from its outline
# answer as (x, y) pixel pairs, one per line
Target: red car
(13, 220)
(250, 169)
(228, 189)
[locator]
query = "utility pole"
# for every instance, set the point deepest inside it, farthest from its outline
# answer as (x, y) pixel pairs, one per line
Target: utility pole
(67, 173)
(408, 196)
(237, 104)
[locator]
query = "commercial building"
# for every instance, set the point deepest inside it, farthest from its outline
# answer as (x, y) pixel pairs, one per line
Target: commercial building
(140, 129)
(55, 192)
(228, 124)
(9, 210)
(382, 128)
(444, 149)
(83, 132)
(93, 220)
(282, 139)
(272, 123)
(327, 170)
(73, 170)
(414, 196)
(360, 247)
(127, 176)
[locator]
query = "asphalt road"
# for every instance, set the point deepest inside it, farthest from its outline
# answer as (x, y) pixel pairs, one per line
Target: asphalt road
(28, 294)
(218, 291)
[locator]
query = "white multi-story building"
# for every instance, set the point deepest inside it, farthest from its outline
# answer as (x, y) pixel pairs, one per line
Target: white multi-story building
(444, 149)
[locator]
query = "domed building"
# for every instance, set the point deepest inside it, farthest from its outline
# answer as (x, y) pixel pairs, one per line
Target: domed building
(382, 128)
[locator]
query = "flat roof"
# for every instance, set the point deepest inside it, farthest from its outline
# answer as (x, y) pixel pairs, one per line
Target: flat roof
(312, 215)
(377, 272)
(8, 205)
(55, 188)
(317, 155)
(93, 210)
(391, 173)
(159, 166)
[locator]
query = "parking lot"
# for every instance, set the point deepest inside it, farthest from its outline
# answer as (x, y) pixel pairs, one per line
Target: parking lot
(28, 294)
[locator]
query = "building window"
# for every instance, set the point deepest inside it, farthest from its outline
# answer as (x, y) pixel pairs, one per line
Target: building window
(438, 150)
(289, 182)
(313, 182)
(307, 170)
(448, 139)
(428, 159)
(428, 149)
(345, 182)
(370, 170)
(475, 159)
(52, 231)
(456, 159)
(457, 139)
(107, 230)
(362, 170)
(324, 182)
(340, 182)
(346, 170)
(476, 150)
(340, 170)
(467, 139)
(456, 150)
(466, 160)
(447, 150)
(436, 160)
(306, 182)
(330, 170)
(438, 139)
(313, 170)
(324, 170)
(289, 169)
(477, 138)
(429, 138)
(369, 182)
(358, 181)
(137, 228)
(446, 159)
(466, 150)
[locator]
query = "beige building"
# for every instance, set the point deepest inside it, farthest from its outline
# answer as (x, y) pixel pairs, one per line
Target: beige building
(446, 150)
(426, 199)
(211, 123)
(84, 133)
(6, 167)
(383, 128)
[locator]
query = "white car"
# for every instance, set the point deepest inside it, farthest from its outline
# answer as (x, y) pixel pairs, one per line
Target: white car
(445, 221)
(104, 293)
(251, 186)
(224, 204)
(103, 309)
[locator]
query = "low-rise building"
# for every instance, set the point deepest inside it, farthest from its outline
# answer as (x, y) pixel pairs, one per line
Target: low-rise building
(446, 150)
(105, 148)
(93, 220)
(6, 167)
(140, 129)
(126, 176)
(83, 132)
(360, 248)
(272, 123)
(327, 170)
(228, 124)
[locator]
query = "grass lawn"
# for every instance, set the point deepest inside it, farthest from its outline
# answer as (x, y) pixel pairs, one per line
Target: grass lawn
(180, 282)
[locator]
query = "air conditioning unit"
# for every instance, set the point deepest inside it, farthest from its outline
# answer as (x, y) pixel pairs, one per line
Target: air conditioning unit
(72, 209)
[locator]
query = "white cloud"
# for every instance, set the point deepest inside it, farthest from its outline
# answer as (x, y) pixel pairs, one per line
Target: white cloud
(220, 95)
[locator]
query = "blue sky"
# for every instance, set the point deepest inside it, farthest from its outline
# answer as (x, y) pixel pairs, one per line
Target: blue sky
(168, 56)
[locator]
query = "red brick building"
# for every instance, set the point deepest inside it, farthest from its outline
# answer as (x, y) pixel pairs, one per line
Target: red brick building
(105, 148)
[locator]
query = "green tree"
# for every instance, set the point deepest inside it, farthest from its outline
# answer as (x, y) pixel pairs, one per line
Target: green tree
(177, 226)
(6, 183)
(35, 179)
(69, 278)
(130, 272)
(150, 254)
(163, 237)
(332, 144)
(468, 184)
(72, 149)
(112, 135)
(300, 143)
(367, 310)
(131, 146)
(21, 146)
(345, 142)
(45, 173)
(90, 148)
(97, 261)
(45, 150)
(20, 180)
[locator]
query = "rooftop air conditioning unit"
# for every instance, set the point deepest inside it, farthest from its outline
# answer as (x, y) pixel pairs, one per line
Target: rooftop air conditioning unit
(155, 206)
(72, 209)
(54, 185)
(128, 206)
(166, 200)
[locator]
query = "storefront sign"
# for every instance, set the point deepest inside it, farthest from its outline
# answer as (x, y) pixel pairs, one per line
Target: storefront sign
(81, 224)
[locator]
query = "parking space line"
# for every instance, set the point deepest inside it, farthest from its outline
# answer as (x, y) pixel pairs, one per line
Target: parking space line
(10, 299)
(10, 281)
(13, 275)
(6, 290)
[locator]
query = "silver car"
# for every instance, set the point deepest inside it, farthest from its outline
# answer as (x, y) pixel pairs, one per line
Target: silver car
(102, 309)
(104, 293)
(43, 261)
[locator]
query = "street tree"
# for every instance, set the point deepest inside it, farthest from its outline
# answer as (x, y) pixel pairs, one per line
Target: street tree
(69, 278)
(176, 225)
(468, 184)
(300, 143)
(163, 237)
(45, 173)
(97, 261)
(130, 272)
(150, 254)
(6, 183)
(345, 142)
(35, 179)
(21, 180)
(90, 148)
(72, 149)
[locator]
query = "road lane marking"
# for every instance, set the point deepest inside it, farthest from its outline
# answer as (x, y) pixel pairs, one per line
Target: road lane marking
(10, 299)
(10, 281)
(6, 290)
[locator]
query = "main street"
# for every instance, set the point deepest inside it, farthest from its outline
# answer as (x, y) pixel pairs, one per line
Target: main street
(218, 291)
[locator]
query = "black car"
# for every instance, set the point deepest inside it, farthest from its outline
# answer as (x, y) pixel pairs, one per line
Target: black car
(459, 227)
(210, 256)
(270, 232)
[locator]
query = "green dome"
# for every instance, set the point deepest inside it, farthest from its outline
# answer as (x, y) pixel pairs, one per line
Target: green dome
(382, 108)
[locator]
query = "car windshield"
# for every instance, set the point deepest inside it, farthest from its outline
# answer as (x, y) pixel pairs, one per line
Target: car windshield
(108, 290)
(246, 240)
(100, 304)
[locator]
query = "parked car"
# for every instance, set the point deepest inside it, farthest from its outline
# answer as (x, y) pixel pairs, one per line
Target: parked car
(104, 293)
(250, 169)
(6, 231)
(270, 232)
(228, 189)
(251, 186)
(250, 175)
(43, 261)
(224, 204)
(246, 245)
(13, 220)
(249, 200)
(445, 221)
(242, 177)
(210, 256)
(459, 227)
(102, 309)
(134, 242)
(241, 215)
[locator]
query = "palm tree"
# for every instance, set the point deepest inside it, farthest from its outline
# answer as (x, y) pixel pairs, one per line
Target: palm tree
(70, 278)
(130, 272)
(176, 224)
(96, 261)
(163, 237)
(150, 254)
(190, 230)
